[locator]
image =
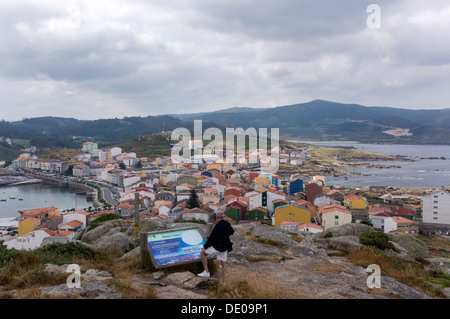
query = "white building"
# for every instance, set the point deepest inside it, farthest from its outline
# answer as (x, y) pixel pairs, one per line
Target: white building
(28, 241)
(271, 196)
(104, 156)
(82, 217)
(129, 180)
(378, 219)
(322, 200)
(114, 151)
(334, 215)
(310, 228)
(81, 171)
(401, 224)
(90, 147)
(164, 211)
(291, 227)
(198, 214)
(436, 208)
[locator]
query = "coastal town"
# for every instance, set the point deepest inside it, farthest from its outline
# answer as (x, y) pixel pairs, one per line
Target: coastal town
(168, 189)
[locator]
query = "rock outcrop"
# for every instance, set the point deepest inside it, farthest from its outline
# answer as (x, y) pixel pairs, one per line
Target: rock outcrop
(309, 262)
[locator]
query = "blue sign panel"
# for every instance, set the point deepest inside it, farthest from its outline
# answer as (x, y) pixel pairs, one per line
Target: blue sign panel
(176, 246)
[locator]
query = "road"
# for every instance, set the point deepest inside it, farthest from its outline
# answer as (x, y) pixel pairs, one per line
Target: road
(108, 195)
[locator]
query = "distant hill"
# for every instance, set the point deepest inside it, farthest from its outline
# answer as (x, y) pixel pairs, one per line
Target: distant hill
(56, 132)
(325, 120)
(151, 146)
(228, 110)
(8, 153)
(315, 120)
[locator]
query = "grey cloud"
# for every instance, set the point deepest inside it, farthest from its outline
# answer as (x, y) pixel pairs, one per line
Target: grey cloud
(154, 57)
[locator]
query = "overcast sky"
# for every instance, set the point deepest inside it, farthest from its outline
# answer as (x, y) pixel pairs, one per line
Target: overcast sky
(103, 59)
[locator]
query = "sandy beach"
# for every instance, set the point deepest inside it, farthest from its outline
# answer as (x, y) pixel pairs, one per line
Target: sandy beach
(9, 222)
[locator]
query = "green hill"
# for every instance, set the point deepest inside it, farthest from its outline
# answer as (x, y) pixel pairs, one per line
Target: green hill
(324, 120)
(151, 146)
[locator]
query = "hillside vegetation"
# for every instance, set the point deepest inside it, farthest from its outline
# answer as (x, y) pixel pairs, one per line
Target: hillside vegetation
(324, 120)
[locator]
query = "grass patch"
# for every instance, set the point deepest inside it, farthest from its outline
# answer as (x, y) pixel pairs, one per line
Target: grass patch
(297, 237)
(272, 242)
(412, 274)
(24, 269)
(245, 284)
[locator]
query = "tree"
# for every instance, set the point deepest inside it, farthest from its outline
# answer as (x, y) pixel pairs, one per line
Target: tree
(122, 166)
(192, 201)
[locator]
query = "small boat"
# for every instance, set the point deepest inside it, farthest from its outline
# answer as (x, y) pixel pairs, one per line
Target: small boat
(12, 197)
(20, 198)
(2, 200)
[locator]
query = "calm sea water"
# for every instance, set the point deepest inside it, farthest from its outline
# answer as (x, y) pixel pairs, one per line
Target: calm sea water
(38, 196)
(426, 173)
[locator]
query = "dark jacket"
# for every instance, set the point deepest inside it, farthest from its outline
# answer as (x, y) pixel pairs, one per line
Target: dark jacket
(219, 237)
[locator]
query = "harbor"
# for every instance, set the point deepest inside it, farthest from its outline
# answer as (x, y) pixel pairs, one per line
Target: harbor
(22, 197)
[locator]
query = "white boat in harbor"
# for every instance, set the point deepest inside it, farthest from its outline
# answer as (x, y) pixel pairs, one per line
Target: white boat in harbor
(12, 197)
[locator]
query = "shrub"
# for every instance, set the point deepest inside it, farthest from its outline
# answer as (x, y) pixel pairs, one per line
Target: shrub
(103, 218)
(58, 253)
(377, 239)
(328, 235)
(7, 256)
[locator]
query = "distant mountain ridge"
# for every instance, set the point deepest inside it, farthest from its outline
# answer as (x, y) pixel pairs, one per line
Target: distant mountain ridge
(325, 120)
(50, 132)
(315, 120)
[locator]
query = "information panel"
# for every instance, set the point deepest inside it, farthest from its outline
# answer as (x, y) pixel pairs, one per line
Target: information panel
(169, 248)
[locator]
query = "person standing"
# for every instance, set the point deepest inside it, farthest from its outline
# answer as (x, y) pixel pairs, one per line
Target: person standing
(218, 245)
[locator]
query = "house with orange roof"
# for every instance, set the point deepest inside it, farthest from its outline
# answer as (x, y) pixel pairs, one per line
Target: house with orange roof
(377, 219)
(236, 210)
(72, 226)
(309, 227)
(40, 212)
(64, 233)
(257, 213)
(353, 201)
(125, 209)
(236, 191)
(211, 199)
(28, 225)
(291, 213)
(198, 214)
(336, 194)
(401, 225)
(261, 181)
(80, 216)
(334, 215)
